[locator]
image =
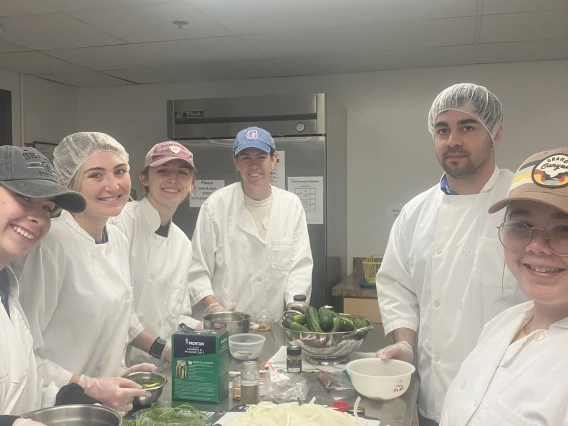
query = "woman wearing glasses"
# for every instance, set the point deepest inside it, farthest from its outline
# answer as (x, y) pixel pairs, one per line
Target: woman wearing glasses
(518, 372)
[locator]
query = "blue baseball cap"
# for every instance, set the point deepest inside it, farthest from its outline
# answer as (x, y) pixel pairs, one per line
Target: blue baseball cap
(253, 137)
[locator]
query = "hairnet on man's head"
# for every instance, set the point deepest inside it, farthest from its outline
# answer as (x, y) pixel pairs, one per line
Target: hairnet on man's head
(77, 148)
(472, 99)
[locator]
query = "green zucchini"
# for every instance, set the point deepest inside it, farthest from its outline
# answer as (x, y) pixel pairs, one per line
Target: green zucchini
(325, 319)
(312, 318)
(300, 319)
(298, 327)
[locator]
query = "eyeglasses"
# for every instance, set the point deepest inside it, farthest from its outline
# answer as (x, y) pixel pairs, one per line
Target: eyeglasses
(515, 236)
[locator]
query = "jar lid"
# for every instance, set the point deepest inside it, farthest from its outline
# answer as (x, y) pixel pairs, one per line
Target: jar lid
(294, 350)
(340, 406)
(328, 307)
(299, 298)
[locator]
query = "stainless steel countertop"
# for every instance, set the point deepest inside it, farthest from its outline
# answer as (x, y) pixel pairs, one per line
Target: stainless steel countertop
(399, 411)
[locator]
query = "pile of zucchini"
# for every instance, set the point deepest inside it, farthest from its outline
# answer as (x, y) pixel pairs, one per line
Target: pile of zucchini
(324, 320)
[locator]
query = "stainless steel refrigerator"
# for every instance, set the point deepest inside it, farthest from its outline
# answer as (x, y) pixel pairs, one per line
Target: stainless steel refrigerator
(310, 132)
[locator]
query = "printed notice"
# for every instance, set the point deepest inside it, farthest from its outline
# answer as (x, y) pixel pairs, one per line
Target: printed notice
(278, 174)
(203, 189)
(393, 210)
(310, 192)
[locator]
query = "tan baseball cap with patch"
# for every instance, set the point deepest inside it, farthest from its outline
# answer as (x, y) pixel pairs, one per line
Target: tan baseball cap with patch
(543, 177)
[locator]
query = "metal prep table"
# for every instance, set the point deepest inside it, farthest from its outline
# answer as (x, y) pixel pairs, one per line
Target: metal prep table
(399, 411)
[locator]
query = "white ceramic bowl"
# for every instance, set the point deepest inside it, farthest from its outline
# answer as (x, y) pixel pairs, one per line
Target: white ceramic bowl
(246, 345)
(378, 379)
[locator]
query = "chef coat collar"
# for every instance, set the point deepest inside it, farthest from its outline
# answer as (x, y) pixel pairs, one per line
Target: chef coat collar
(486, 188)
(151, 215)
(528, 313)
(70, 220)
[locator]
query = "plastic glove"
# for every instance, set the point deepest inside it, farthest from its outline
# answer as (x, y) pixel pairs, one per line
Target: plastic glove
(401, 351)
(27, 422)
(167, 353)
(114, 392)
(199, 326)
(216, 307)
(145, 366)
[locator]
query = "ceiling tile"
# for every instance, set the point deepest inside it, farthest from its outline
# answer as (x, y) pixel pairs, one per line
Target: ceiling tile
(53, 31)
(83, 78)
(524, 26)
(513, 6)
(34, 62)
(32, 7)
(540, 50)
(153, 22)
(167, 53)
(375, 61)
(262, 16)
(388, 36)
(203, 72)
(6, 46)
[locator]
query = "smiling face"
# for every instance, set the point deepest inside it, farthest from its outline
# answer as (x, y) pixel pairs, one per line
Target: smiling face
(168, 184)
(104, 181)
(254, 166)
(542, 274)
(24, 222)
(463, 146)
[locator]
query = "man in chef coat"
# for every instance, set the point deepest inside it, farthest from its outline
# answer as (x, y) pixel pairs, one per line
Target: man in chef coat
(443, 275)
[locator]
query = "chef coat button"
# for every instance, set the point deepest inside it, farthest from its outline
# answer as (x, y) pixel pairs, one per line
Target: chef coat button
(461, 306)
(109, 356)
(109, 248)
(439, 251)
(154, 236)
(140, 318)
(115, 302)
(168, 242)
(436, 359)
(98, 250)
(3, 376)
(539, 336)
(160, 323)
(152, 277)
(463, 384)
(436, 304)
(465, 252)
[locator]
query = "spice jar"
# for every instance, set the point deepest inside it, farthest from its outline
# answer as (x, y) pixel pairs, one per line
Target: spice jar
(299, 304)
(250, 383)
(294, 359)
(237, 388)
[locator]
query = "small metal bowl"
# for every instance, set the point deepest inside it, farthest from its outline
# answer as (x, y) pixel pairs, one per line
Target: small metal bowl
(84, 415)
(155, 392)
(234, 322)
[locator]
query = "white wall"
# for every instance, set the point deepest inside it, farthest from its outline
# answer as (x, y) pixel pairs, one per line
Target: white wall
(50, 109)
(390, 157)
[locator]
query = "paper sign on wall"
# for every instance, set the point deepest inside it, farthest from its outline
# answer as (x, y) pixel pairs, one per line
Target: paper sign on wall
(278, 174)
(393, 210)
(203, 189)
(310, 192)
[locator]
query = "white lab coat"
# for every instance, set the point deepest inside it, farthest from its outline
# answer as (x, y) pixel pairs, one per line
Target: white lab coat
(21, 388)
(159, 268)
(77, 297)
(524, 383)
(233, 263)
(444, 276)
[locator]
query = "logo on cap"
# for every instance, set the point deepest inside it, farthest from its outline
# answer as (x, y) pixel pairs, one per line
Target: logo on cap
(252, 134)
(175, 149)
(552, 172)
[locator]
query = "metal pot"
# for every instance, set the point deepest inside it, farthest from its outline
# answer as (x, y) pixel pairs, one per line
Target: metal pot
(328, 348)
(234, 322)
(73, 415)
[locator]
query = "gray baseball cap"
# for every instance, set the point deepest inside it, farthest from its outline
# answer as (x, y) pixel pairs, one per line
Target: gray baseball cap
(28, 172)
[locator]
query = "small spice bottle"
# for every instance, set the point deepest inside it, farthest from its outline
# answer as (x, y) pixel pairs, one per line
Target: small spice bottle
(294, 359)
(237, 388)
(250, 383)
(299, 304)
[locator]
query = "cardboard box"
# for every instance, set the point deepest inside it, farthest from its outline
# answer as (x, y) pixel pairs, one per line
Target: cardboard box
(200, 365)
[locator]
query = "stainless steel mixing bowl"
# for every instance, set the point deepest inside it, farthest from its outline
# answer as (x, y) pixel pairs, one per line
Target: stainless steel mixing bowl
(234, 322)
(328, 348)
(155, 392)
(73, 415)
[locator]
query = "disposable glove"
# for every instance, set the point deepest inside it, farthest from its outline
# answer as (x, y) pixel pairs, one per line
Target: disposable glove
(27, 422)
(145, 366)
(216, 307)
(401, 351)
(114, 392)
(167, 354)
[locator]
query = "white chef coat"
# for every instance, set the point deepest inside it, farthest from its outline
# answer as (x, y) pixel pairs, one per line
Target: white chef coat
(159, 268)
(444, 276)
(231, 261)
(21, 388)
(524, 383)
(77, 297)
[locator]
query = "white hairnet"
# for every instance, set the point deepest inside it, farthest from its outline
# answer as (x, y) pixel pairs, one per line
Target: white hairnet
(472, 99)
(77, 148)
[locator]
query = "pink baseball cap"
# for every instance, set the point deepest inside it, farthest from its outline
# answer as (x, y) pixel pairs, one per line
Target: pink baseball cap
(166, 151)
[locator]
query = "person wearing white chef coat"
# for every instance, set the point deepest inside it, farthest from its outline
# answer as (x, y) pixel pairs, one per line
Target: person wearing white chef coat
(160, 252)
(29, 193)
(517, 375)
(251, 244)
(75, 284)
(443, 275)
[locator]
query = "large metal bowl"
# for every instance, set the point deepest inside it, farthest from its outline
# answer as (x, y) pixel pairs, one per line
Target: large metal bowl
(155, 391)
(328, 348)
(73, 415)
(234, 322)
